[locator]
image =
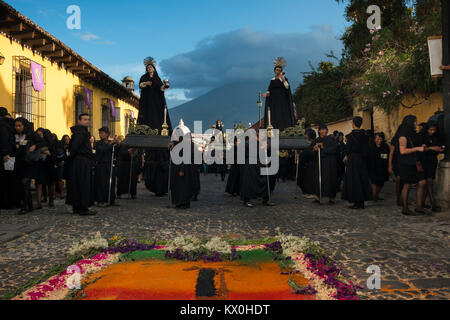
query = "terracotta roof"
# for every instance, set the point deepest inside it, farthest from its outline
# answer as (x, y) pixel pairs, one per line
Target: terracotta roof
(24, 31)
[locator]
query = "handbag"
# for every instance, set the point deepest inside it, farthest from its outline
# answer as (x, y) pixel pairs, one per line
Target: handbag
(33, 156)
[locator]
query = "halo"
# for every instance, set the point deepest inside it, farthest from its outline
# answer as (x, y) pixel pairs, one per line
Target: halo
(150, 60)
(280, 62)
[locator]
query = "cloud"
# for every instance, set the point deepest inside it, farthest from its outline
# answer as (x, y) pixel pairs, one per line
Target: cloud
(247, 55)
(89, 36)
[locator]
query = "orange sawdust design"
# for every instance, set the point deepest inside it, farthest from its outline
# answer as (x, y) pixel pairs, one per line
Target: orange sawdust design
(162, 280)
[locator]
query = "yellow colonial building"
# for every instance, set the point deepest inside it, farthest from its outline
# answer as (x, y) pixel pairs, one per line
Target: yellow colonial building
(71, 85)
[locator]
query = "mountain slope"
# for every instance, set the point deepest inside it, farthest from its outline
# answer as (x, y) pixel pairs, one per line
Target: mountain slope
(231, 104)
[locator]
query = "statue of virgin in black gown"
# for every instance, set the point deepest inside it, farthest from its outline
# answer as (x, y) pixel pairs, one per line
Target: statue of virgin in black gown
(152, 102)
(151, 113)
(282, 114)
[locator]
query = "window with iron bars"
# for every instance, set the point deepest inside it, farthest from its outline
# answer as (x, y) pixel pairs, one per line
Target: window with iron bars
(28, 103)
(107, 119)
(81, 106)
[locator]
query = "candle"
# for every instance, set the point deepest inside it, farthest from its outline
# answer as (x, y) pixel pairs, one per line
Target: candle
(268, 112)
(165, 115)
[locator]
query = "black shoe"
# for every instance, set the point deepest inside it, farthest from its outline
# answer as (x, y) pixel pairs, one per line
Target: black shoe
(331, 203)
(133, 197)
(420, 211)
(316, 201)
(436, 209)
(268, 204)
(356, 207)
(427, 206)
(51, 204)
(248, 205)
(410, 213)
(87, 213)
(22, 212)
(114, 205)
(38, 208)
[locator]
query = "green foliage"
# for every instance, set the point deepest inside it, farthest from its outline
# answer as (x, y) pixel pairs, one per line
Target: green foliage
(325, 94)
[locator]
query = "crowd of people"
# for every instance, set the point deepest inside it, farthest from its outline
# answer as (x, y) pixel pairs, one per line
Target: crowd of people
(360, 163)
(92, 172)
(98, 172)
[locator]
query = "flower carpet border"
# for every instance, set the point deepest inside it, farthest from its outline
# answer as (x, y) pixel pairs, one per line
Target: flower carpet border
(295, 255)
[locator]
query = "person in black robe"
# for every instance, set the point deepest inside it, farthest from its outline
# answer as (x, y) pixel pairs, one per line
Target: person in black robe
(129, 164)
(329, 148)
(279, 99)
(156, 172)
(181, 185)
(253, 184)
(357, 188)
(394, 167)
(430, 138)
(378, 165)
(306, 167)
(105, 180)
(340, 159)
(196, 168)
(80, 163)
(7, 143)
(233, 182)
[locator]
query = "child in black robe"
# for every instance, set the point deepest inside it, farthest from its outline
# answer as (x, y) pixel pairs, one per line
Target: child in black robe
(329, 174)
(378, 165)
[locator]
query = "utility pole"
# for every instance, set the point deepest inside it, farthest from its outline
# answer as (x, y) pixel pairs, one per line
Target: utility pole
(443, 185)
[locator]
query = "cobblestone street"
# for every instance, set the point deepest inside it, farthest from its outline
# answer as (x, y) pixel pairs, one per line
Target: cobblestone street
(413, 253)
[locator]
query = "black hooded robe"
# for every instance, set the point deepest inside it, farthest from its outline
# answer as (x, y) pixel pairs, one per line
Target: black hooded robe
(281, 106)
(357, 187)
(253, 184)
(156, 172)
(181, 183)
(128, 171)
(233, 182)
(328, 167)
(80, 162)
(306, 170)
(103, 157)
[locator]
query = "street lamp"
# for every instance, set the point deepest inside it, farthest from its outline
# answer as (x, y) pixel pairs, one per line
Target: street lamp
(2, 58)
(260, 104)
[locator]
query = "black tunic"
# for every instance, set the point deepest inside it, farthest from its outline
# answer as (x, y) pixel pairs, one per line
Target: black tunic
(306, 170)
(356, 180)
(128, 170)
(103, 159)
(156, 172)
(253, 184)
(328, 167)
(152, 104)
(281, 106)
(181, 183)
(233, 182)
(80, 164)
(379, 164)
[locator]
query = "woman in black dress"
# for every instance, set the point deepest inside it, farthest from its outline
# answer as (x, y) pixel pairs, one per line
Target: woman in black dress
(279, 98)
(411, 169)
(430, 138)
(24, 169)
(378, 165)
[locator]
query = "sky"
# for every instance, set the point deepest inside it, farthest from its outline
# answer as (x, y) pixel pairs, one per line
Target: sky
(199, 45)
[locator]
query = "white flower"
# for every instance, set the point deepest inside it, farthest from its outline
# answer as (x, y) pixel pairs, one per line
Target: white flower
(97, 242)
(216, 244)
